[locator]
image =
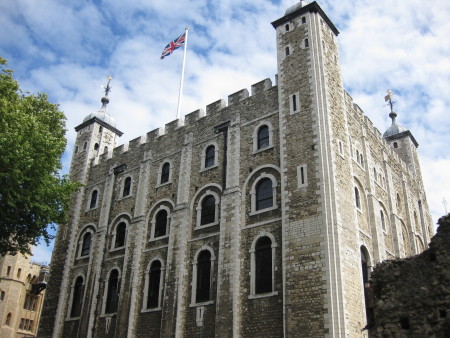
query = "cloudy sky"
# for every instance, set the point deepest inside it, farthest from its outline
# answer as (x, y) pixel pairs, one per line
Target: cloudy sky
(67, 49)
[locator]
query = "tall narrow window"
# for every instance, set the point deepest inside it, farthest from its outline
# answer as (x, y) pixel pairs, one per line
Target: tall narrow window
(365, 267)
(86, 244)
(165, 172)
(357, 198)
(208, 213)
(154, 285)
(77, 297)
(264, 194)
(112, 297)
(2, 295)
(161, 223)
(94, 196)
(203, 288)
(263, 137)
(306, 43)
(294, 102)
(263, 265)
(120, 235)
(303, 19)
(287, 27)
(210, 156)
(383, 222)
(287, 51)
(126, 187)
(19, 272)
(84, 145)
(8, 319)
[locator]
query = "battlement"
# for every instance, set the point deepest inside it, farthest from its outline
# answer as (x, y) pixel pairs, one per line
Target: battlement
(190, 119)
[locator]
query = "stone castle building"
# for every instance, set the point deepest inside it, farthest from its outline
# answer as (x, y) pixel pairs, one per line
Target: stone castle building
(260, 217)
(22, 285)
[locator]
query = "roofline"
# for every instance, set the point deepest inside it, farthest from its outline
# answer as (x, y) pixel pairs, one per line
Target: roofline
(311, 7)
(102, 123)
(402, 135)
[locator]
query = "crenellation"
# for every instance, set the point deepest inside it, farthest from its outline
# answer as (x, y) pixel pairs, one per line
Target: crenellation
(238, 96)
(172, 126)
(137, 142)
(215, 106)
(154, 134)
(193, 117)
(261, 86)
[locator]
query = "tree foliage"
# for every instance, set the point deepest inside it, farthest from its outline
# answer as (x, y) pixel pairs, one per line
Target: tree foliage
(33, 195)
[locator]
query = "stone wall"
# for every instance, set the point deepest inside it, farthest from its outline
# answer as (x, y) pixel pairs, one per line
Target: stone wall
(412, 295)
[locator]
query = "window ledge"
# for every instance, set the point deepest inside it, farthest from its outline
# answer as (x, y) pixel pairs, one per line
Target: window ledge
(156, 309)
(68, 319)
(263, 210)
(208, 168)
(104, 315)
(263, 295)
(82, 257)
(124, 197)
(91, 209)
(256, 151)
(154, 239)
(117, 249)
(199, 227)
(209, 302)
(163, 184)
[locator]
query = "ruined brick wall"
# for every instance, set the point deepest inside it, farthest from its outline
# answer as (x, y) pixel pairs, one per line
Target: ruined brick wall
(412, 295)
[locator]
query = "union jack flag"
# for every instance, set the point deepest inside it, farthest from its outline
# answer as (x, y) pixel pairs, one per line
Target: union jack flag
(172, 45)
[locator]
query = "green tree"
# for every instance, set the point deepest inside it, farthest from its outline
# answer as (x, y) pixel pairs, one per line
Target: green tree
(33, 195)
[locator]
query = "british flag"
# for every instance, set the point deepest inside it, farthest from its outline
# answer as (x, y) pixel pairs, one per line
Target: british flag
(172, 45)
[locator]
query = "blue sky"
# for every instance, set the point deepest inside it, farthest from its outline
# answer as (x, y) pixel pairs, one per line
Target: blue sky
(68, 48)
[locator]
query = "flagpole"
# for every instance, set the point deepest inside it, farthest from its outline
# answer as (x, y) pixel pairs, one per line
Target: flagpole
(186, 30)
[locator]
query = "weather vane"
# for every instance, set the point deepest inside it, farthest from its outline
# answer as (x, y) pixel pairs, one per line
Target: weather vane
(107, 88)
(388, 98)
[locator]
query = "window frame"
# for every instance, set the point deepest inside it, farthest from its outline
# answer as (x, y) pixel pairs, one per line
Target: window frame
(255, 137)
(72, 297)
(274, 206)
(160, 173)
(199, 209)
(106, 292)
(91, 205)
(145, 307)
(252, 252)
(203, 166)
(114, 235)
(153, 223)
(127, 186)
(194, 302)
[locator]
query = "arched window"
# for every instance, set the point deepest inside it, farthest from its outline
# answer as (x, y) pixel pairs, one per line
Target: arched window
(19, 272)
(303, 19)
(105, 150)
(126, 187)
(264, 194)
(365, 267)
(383, 222)
(357, 198)
(263, 265)
(86, 244)
(8, 319)
(154, 283)
(165, 173)
(306, 43)
(121, 231)
(161, 223)
(94, 196)
(287, 27)
(208, 212)
(2, 295)
(210, 156)
(96, 146)
(203, 285)
(112, 296)
(263, 137)
(77, 297)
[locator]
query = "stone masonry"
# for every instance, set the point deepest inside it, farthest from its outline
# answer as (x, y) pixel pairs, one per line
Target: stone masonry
(339, 191)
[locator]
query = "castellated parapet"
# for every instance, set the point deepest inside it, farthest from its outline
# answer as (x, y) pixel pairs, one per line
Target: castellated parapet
(259, 216)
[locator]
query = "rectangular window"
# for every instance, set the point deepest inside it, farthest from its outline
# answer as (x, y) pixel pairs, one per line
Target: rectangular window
(302, 176)
(294, 103)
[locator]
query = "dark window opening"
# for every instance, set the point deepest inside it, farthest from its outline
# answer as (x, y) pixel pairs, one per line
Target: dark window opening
(263, 137)
(165, 171)
(263, 265)
(357, 199)
(287, 28)
(120, 235)
(112, 298)
(2, 295)
(76, 149)
(264, 194)
(303, 20)
(96, 146)
(306, 43)
(302, 175)
(287, 51)
(153, 285)
(294, 103)
(84, 145)
(210, 155)
(395, 145)
(105, 150)
(77, 298)
(8, 319)
(127, 187)
(161, 223)
(404, 323)
(208, 213)
(93, 199)
(383, 223)
(203, 277)
(86, 245)
(8, 270)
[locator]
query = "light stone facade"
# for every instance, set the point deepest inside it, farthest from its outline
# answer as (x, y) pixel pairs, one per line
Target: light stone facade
(322, 151)
(22, 285)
